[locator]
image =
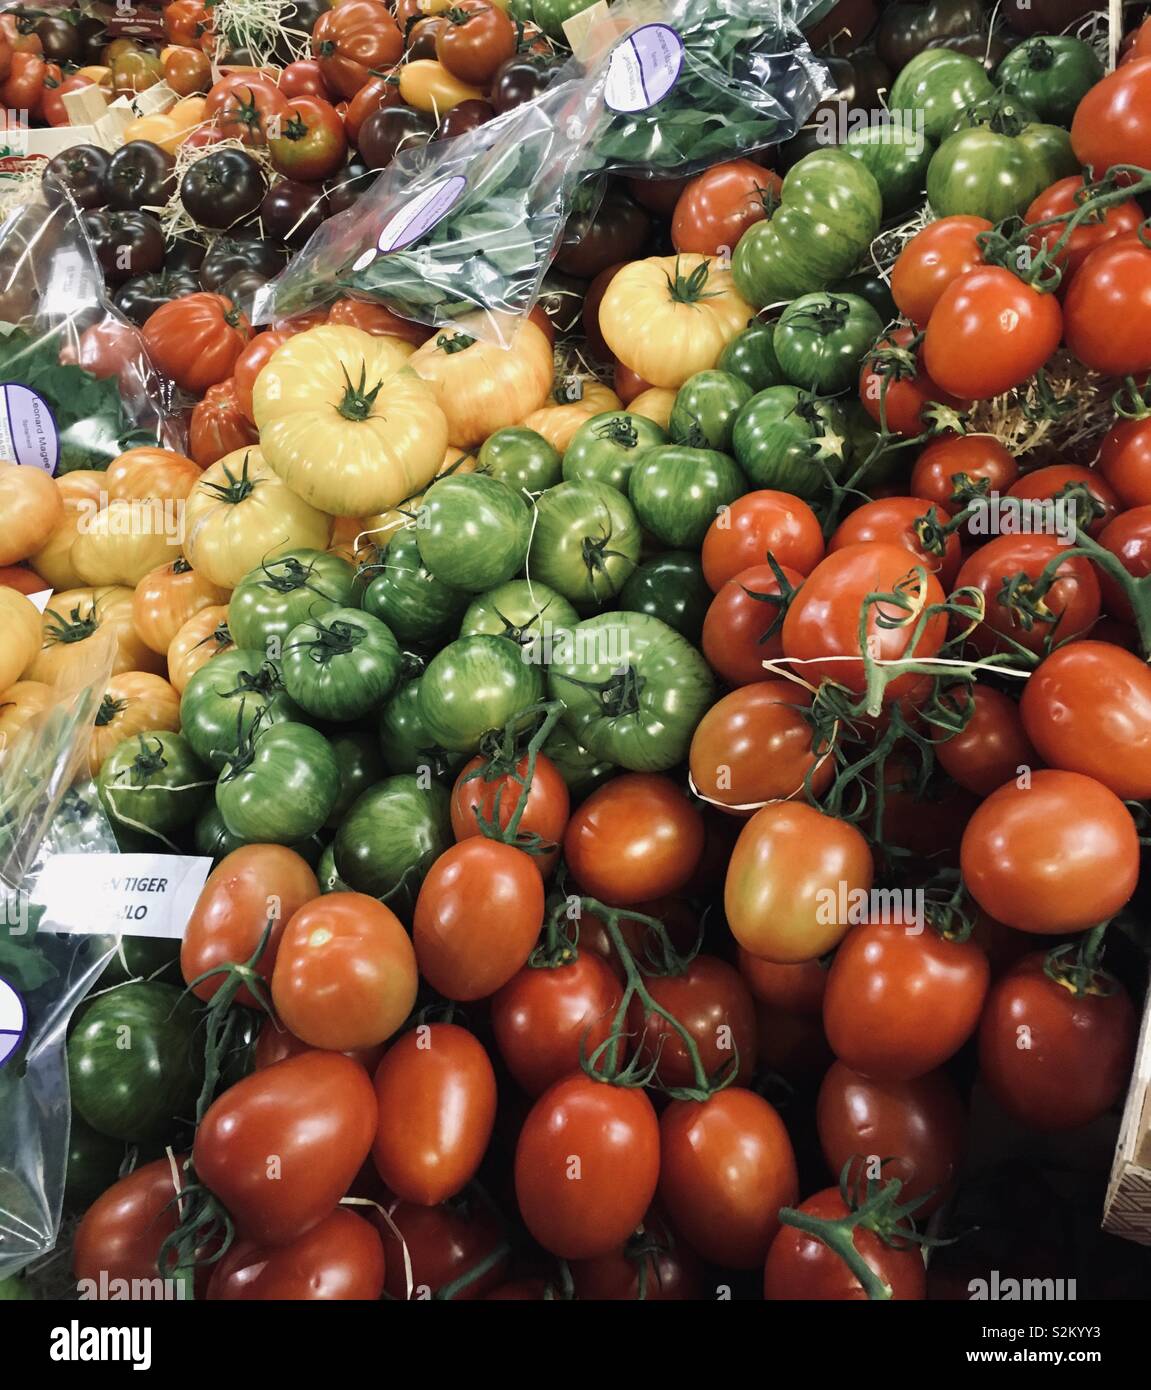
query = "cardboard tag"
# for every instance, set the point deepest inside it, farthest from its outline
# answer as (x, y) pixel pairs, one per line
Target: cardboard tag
(86, 105)
(135, 894)
(579, 26)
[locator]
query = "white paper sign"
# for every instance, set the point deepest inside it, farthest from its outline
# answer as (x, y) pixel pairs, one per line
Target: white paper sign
(136, 894)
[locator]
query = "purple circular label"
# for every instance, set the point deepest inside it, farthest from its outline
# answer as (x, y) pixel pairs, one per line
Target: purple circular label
(13, 1021)
(28, 433)
(643, 68)
(417, 218)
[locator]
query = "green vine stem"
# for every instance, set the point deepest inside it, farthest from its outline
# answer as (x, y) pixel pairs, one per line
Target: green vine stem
(505, 753)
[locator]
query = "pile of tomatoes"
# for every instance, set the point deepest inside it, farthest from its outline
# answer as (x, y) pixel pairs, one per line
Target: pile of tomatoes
(663, 801)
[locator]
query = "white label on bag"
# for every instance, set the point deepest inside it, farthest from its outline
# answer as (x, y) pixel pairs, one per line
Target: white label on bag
(62, 292)
(136, 894)
(13, 1021)
(417, 219)
(28, 433)
(643, 68)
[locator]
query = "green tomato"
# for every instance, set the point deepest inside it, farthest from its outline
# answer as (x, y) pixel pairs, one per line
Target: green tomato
(142, 958)
(405, 594)
(361, 764)
(705, 409)
(212, 837)
(939, 82)
(94, 1162)
(607, 447)
(787, 441)
(341, 666)
(678, 492)
(407, 742)
(1051, 74)
(329, 880)
(586, 542)
(521, 458)
(472, 531)
(153, 783)
(280, 789)
(670, 587)
(872, 287)
(223, 700)
(476, 685)
(1050, 147)
(822, 338)
(750, 356)
(898, 156)
(862, 436)
(391, 837)
(134, 1064)
(523, 609)
(581, 770)
(551, 15)
(270, 601)
(829, 214)
(984, 174)
(633, 690)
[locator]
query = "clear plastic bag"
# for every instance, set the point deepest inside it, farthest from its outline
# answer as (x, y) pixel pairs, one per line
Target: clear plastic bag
(79, 386)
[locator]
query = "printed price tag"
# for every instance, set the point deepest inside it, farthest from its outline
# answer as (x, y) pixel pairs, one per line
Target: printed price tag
(643, 68)
(137, 894)
(417, 219)
(28, 433)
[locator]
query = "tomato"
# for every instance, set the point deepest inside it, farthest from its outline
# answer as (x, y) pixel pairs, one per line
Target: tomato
(585, 542)
(897, 158)
(304, 78)
(605, 1136)
(1057, 853)
(1054, 1057)
(757, 525)
(23, 89)
(726, 1168)
(478, 798)
(477, 917)
(1051, 75)
(991, 748)
(1107, 312)
(456, 1251)
(76, 625)
(246, 106)
(607, 447)
(476, 39)
(976, 458)
(907, 522)
(787, 871)
(473, 532)
(437, 1103)
(24, 581)
(897, 393)
(677, 492)
(351, 42)
(219, 424)
(801, 1267)
(1064, 197)
(670, 587)
(223, 704)
(279, 595)
(1112, 124)
(154, 474)
(196, 340)
(1128, 538)
(374, 319)
(786, 440)
(166, 598)
(474, 685)
(307, 141)
(122, 1231)
(755, 746)
(281, 788)
(52, 107)
(716, 207)
(340, 1258)
(153, 784)
(710, 1000)
(750, 357)
(995, 173)
(1051, 482)
(33, 508)
(341, 665)
(654, 1266)
(989, 332)
(1066, 611)
(741, 629)
(202, 637)
(392, 834)
(313, 1117)
(796, 988)
(821, 338)
(1125, 461)
(414, 603)
(187, 70)
(377, 94)
(543, 1018)
(943, 251)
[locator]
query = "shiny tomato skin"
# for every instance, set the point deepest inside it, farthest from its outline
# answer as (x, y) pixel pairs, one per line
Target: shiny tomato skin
(978, 457)
(276, 1044)
(900, 1003)
(900, 400)
(802, 1268)
(342, 1258)
(1046, 483)
(251, 886)
(737, 624)
(1125, 461)
(940, 253)
(662, 1269)
(895, 521)
(1063, 197)
(727, 1167)
(309, 1121)
(991, 748)
(1053, 1059)
(122, 1231)
(542, 1018)
(1112, 124)
(989, 332)
(1107, 312)
(1128, 538)
(710, 1000)
(443, 1244)
(920, 1125)
(477, 917)
(717, 207)
(1057, 854)
(797, 988)
(634, 838)
(436, 1092)
(757, 525)
(545, 815)
(610, 1137)
(786, 868)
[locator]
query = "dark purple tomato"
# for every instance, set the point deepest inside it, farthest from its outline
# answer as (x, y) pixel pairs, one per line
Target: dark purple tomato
(467, 115)
(346, 185)
(82, 171)
(386, 133)
(127, 244)
(291, 211)
(597, 237)
(139, 176)
(520, 79)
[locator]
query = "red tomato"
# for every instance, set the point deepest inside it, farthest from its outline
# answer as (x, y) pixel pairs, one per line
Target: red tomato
(281, 1147)
(1063, 197)
(1128, 538)
(989, 332)
(726, 1168)
(542, 1018)
(122, 1231)
(436, 1093)
(196, 340)
(627, 384)
(1107, 312)
(341, 1258)
(821, 629)
(782, 893)
(947, 461)
(52, 107)
(797, 988)
(902, 999)
(1058, 854)
(719, 205)
(355, 41)
(219, 424)
(942, 252)
(1125, 460)
(185, 21)
(545, 815)
(742, 627)
(23, 89)
(276, 1044)
(897, 393)
(653, 1266)
(1054, 1058)
(454, 1251)
(477, 917)
(1112, 124)
(636, 837)
(586, 1166)
(992, 746)
(307, 141)
(1048, 483)
(907, 522)
(303, 78)
(375, 319)
(345, 973)
(246, 106)
(757, 525)
(477, 38)
(16, 577)
(249, 888)
(248, 367)
(714, 1005)
(374, 95)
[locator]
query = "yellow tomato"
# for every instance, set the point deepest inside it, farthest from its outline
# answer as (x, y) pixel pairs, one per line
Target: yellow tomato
(77, 626)
(53, 561)
(122, 542)
(202, 637)
(669, 317)
(82, 483)
(170, 129)
(20, 703)
(240, 514)
(20, 624)
(342, 425)
(166, 598)
(152, 473)
(429, 86)
(483, 387)
(653, 404)
(31, 505)
(134, 702)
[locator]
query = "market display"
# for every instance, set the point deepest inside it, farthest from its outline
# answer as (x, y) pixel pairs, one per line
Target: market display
(575, 601)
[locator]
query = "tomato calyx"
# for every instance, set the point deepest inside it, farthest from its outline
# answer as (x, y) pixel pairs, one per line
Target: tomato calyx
(1075, 966)
(219, 635)
(931, 532)
(618, 429)
(74, 628)
(1040, 55)
(1132, 401)
(265, 682)
(236, 489)
(181, 566)
(690, 289)
(454, 342)
(359, 401)
(337, 639)
(109, 710)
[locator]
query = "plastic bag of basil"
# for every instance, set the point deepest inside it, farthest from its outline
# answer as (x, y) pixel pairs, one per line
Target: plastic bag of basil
(462, 231)
(76, 386)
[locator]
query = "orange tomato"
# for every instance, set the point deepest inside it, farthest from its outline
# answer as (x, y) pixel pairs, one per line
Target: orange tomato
(134, 702)
(202, 637)
(166, 598)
